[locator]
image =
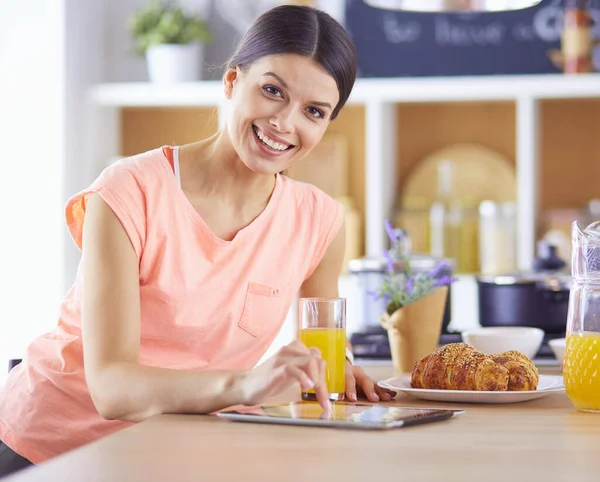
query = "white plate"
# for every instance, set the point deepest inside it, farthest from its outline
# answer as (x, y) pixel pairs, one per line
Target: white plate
(547, 384)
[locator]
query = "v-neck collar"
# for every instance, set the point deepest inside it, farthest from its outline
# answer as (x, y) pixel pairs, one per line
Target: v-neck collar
(201, 225)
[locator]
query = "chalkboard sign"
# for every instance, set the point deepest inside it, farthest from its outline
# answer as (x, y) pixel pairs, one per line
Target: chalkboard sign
(400, 44)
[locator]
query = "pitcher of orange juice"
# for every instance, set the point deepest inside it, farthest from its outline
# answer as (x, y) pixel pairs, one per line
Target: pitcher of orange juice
(582, 354)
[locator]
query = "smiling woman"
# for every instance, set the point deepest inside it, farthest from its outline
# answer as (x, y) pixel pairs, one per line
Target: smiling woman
(192, 256)
(277, 111)
(295, 77)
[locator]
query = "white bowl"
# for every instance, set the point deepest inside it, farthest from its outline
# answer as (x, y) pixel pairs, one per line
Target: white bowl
(498, 339)
(558, 347)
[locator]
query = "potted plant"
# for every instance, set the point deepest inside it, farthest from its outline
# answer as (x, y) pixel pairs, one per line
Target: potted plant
(171, 39)
(415, 303)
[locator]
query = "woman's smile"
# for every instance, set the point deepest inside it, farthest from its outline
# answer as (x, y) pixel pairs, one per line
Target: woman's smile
(269, 143)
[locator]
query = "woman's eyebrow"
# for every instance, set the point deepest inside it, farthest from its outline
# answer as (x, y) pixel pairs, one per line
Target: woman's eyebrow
(273, 74)
(285, 86)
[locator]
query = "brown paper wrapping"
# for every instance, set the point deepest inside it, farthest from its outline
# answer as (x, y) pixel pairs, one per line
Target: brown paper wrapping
(415, 329)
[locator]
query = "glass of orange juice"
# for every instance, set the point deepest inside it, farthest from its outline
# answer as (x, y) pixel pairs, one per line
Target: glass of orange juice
(322, 324)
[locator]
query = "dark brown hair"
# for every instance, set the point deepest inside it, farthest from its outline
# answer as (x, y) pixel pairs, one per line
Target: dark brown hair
(302, 30)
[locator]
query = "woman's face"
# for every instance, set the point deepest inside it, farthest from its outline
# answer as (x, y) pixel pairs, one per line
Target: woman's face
(280, 109)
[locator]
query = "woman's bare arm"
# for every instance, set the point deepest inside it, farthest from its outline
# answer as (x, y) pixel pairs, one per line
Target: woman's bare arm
(120, 387)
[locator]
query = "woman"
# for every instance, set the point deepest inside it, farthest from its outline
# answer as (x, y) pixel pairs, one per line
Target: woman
(192, 257)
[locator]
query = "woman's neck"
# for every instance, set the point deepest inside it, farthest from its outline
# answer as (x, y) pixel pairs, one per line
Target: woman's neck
(212, 167)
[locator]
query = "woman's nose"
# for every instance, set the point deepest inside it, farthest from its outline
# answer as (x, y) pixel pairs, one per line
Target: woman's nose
(282, 120)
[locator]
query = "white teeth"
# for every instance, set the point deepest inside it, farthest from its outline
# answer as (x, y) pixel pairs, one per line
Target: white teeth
(269, 142)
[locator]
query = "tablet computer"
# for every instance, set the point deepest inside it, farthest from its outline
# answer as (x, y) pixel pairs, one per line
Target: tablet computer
(342, 415)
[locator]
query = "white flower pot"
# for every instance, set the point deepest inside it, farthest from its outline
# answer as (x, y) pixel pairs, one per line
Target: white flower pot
(171, 63)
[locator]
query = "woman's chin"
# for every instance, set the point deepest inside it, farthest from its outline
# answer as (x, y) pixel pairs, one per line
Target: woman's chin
(264, 168)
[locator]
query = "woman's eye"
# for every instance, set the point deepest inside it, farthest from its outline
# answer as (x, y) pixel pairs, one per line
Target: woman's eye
(316, 112)
(272, 90)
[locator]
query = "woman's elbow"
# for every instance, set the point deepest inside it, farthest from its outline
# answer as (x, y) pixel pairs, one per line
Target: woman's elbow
(111, 402)
(106, 404)
(107, 410)
(112, 408)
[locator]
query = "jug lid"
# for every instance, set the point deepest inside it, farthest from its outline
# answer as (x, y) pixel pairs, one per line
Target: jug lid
(590, 235)
(585, 256)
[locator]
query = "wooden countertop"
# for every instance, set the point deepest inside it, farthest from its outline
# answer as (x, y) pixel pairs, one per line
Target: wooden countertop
(544, 439)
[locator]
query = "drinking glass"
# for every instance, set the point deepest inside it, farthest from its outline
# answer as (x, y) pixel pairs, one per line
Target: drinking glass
(322, 324)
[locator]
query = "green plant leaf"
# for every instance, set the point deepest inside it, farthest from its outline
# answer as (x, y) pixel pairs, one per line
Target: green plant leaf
(164, 22)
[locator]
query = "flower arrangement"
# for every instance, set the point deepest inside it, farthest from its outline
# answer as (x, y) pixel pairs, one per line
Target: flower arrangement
(400, 288)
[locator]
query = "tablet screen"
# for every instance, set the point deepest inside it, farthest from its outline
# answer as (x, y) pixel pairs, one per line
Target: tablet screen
(342, 413)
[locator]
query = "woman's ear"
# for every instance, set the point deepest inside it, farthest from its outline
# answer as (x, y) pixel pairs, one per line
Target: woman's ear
(229, 79)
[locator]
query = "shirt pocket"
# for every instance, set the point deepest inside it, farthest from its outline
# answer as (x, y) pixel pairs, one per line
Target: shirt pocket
(264, 308)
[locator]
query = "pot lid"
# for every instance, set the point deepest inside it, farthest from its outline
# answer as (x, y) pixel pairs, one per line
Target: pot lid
(550, 280)
(418, 261)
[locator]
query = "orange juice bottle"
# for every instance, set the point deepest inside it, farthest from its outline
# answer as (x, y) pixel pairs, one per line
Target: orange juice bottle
(582, 370)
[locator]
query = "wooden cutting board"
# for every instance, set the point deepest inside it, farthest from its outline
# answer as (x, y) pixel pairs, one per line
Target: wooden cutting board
(326, 166)
(479, 174)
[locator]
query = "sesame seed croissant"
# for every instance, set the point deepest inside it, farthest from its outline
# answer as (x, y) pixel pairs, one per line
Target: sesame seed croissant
(458, 366)
(522, 372)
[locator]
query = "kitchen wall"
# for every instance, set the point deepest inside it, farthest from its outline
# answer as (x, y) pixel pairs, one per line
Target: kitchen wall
(32, 136)
(229, 18)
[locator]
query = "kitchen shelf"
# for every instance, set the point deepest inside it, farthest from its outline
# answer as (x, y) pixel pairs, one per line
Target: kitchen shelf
(375, 103)
(413, 89)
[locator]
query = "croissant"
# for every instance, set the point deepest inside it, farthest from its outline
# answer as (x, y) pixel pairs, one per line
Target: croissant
(458, 366)
(522, 372)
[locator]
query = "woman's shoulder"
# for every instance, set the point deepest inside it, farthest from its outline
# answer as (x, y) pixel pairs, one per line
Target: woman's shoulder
(146, 164)
(308, 196)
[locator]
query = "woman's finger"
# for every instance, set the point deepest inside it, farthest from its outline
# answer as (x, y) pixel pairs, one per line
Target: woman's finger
(321, 390)
(384, 393)
(314, 368)
(366, 385)
(315, 352)
(350, 384)
(322, 393)
(299, 375)
(295, 348)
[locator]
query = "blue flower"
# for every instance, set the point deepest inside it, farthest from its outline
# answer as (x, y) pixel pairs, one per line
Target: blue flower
(390, 261)
(374, 294)
(409, 286)
(443, 281)
(438, 268)
(391, 232)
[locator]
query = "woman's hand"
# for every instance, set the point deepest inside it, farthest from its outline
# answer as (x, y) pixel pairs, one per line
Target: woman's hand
(359, 383)
(294, 363)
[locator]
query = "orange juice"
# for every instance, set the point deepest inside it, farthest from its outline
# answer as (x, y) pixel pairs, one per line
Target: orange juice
(582, 370)
(332, 344)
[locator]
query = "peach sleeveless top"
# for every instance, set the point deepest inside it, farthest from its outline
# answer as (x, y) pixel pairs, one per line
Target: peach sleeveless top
(206, 303)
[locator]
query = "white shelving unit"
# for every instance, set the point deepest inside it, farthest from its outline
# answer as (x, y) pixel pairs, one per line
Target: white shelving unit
(379, 96)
